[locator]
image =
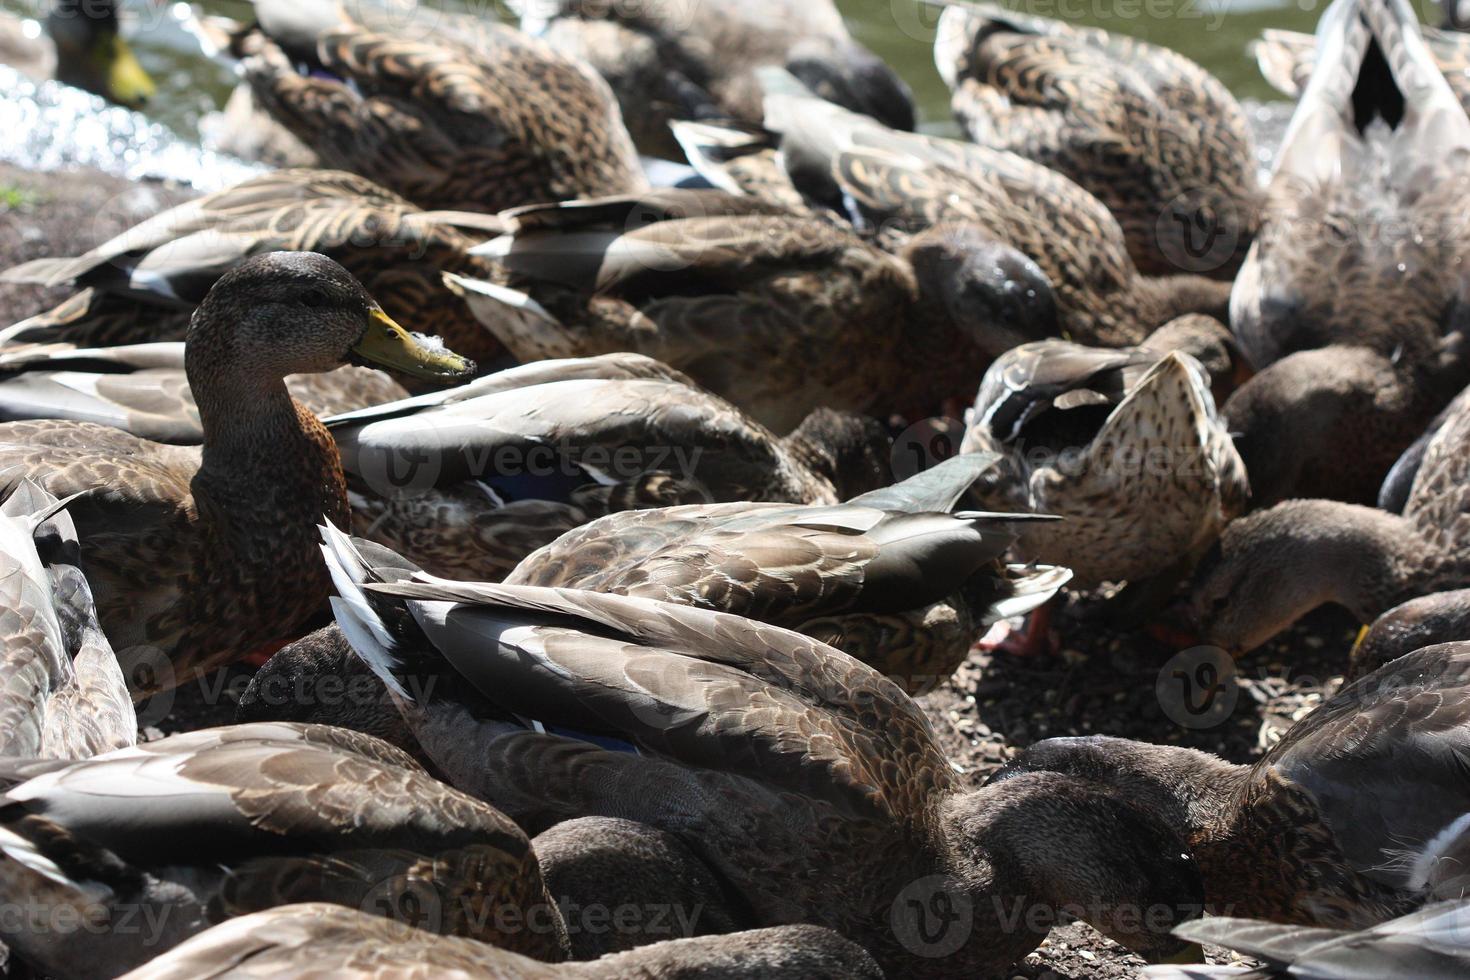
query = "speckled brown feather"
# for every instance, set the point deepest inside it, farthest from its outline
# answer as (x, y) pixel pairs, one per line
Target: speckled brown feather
(265, 815)
(1159, 140)
(320, 940)
(483, 120)
(140, 286)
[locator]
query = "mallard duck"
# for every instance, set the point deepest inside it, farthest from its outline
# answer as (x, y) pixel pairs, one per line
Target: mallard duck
(1350, 819)
(1160, 141)
(1369, 185)
(234, 820)
(1286, 59)
(1276, 565)
(1427, 944)
(142, 285)
(142, 389)
(667, 61)
(79, 45)
(1378, 143)
(610, 863)
(198, 556)
(473, 116)
(898, 184)
(778, 313)
(890, 577)
(1439, 617)
(468, 482)
(810, 784)
(63, 695)
(1125, 444)
(324, 939)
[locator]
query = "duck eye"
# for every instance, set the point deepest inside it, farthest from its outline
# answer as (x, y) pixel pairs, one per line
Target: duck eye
(312, 298)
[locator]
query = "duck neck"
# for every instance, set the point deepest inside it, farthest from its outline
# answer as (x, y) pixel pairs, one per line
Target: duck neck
(263, 453)
(1163, 298)
(1362, 558)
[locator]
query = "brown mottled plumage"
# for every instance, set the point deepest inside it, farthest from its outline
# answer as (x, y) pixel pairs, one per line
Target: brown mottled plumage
(198, 556)
(63, 695)
(777, 312)
(251, 817)
(1351, 301)
(888, 577)
(1123, 444)
(810, 784)
(329, 940)
(670, 61)
(1355, 816)
(469, 481)
(1160, 141)
(142, 285)
(142, 388)
(901, 184)
(1278, 564)
(1440, 617)
(467, 115)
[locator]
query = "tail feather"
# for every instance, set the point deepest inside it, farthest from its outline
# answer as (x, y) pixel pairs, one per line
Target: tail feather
(1312, 148)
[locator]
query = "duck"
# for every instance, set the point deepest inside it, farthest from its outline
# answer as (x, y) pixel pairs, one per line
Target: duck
(143, 389)
(1275, 565)
(80, 45)
(1353, 365)
(1161, 142)
(1426, 944)
(470, 116)
(469, 481)
(810, 784)
(142, 286)
(597, 863)
(1355, 816)
(64, 695)
(777, 313)
(1125, 444)
(322, 938)
(895, 185)
(1285, 59)
(1439, 617)
(249, 817)
(197, 555)
(667, 62)
(891, 577)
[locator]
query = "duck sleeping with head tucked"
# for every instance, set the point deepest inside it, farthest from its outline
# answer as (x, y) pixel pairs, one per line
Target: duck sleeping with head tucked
(198, 556)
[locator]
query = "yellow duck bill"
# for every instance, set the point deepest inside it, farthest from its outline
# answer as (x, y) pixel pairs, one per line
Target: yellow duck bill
(125, 80)
(387, 344)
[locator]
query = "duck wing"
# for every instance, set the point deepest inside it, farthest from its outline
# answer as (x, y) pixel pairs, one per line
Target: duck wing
(1386, 764)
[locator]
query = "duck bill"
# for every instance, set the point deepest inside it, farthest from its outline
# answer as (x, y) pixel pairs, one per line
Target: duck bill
(386, 344)
(124, 77)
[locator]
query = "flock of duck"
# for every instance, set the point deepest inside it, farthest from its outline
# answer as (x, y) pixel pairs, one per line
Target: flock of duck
(606, 596)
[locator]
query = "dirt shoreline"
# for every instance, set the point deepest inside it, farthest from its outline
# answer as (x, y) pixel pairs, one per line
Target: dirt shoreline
(1104, 681)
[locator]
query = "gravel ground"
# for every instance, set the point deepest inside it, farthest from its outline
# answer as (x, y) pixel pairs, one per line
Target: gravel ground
(1103, 681)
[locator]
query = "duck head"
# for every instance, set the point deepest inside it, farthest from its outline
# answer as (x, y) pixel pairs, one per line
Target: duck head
(851, 451)
(91, 54)
(1061, 843)
(1274, 566)
(299, 313)
(855, 78)
(992, 292)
